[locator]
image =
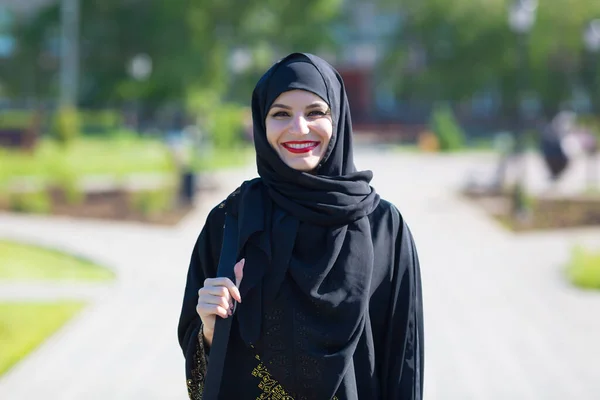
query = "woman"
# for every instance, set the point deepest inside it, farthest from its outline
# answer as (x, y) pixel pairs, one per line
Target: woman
(328, 283)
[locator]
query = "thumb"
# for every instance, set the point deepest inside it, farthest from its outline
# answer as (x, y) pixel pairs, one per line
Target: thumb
(238, 270)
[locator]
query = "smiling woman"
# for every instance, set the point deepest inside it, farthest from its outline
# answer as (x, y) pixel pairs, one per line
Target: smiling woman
(326, 302)
(299, 127)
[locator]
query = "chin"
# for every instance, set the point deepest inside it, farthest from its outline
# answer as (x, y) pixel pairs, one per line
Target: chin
(304, 165)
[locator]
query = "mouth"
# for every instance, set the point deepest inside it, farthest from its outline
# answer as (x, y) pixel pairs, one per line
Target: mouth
(299, 147)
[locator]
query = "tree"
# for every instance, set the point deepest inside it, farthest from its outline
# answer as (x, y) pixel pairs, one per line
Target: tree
(469, 48)
(189, 43)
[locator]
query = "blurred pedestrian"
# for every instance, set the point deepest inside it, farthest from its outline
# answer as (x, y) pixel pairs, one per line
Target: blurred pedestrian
(324, 301)
(554, 143)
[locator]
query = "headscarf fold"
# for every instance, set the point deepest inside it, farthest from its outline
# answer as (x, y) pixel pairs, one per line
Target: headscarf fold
(307, 243)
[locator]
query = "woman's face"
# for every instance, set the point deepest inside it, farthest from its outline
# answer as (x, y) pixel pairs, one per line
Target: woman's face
(299, 128)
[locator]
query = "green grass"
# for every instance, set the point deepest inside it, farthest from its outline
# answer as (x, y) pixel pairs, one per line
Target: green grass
(224, 158)
(118, 155)
(584, 268)
(22, 262)
(24, 326)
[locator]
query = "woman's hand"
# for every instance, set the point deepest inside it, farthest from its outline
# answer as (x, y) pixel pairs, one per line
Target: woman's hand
(216, 298)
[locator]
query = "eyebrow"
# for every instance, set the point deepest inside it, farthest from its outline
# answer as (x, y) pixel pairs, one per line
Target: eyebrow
(313, 105)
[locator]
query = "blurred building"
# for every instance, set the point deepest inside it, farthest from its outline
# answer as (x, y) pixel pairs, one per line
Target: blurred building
(364, 38)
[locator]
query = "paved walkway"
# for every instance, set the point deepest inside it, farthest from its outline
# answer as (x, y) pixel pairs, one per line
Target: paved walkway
(501, 322)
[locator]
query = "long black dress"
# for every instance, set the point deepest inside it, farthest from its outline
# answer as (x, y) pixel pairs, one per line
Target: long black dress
(331, 293)
(388, 360)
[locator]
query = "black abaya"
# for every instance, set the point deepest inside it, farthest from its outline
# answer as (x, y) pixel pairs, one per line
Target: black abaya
(331, 291)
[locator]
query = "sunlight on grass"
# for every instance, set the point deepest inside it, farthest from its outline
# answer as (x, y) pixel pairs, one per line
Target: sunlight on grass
(116, 156)
(24, 326)
(584, 268)
(22, 262)
(88, 156)
(225, 158)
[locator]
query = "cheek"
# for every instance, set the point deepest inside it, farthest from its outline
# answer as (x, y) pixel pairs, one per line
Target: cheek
(325, 129)
(274, 130)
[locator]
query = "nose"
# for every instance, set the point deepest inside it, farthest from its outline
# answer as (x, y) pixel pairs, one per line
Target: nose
(299, 125)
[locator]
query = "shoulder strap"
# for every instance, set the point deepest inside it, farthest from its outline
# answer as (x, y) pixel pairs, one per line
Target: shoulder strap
(218, 349)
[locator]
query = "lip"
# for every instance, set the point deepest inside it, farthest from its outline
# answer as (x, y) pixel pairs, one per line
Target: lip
(313, 145)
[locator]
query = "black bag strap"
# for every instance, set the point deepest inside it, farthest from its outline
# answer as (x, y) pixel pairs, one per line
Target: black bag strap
(218, 350)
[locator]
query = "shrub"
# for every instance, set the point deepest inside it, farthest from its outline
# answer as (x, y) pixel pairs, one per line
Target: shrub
(153, 202)
(100, 121)
(15, 119)
(37, 202)
(584, 268)
(66, 125)
(447, 130)
(69, 185)
(227, 125)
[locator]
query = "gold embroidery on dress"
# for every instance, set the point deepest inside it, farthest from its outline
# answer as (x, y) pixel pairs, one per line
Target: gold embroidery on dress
(195, 385)
(272, 390)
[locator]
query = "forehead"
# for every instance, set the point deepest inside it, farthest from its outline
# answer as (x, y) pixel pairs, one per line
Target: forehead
(300, 98)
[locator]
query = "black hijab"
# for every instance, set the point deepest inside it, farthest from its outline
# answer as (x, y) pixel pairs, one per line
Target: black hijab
(307, 243)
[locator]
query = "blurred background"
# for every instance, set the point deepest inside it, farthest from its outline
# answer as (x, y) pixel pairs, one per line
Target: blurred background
(123, 122)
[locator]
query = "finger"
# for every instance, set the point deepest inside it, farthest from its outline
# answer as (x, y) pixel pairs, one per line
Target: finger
(217, 300)
(238, 270)
(226, 282)
(212, 309)
(221, 281)
(220, 291)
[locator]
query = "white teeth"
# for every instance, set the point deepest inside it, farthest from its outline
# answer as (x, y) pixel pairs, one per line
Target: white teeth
(300, 146)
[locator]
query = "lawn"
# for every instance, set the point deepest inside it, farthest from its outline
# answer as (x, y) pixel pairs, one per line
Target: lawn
(24, 326)
(116, 155)
(221, 158)
(22, 261)
(584, 268)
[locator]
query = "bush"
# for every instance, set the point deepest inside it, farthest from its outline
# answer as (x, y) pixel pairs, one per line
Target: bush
(37, 202)
(584, 268)
(153, 202)
(13, 119)
(227, 124)
(590, 122)
(66, 125)
(69, 185)
(447, 130)
(100, 121)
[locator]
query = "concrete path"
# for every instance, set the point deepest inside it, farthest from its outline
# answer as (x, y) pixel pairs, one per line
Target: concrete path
(501, 321)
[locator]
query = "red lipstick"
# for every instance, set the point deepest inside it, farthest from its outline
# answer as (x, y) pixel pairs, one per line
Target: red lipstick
(299, 147)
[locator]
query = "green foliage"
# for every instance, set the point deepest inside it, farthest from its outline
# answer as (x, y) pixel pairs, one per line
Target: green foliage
(223, 158)
(189, 43)
(584, 268)
(16, 119)
(470, 49)
(447, 130)
(227, 123)
(153, 202)
(66, 126)
(69, 184)
(590, 122)
(64, 177)
(100, 121)
(37, 202)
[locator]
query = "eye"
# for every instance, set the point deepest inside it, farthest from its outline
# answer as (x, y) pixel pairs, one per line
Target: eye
(318, 113)
(280, 114)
